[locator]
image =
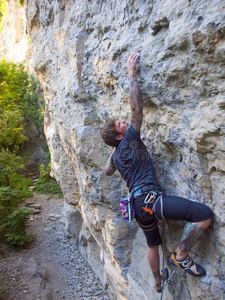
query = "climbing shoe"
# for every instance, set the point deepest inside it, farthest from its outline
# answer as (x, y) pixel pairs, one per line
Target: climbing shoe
(188, 265)
(160, 286)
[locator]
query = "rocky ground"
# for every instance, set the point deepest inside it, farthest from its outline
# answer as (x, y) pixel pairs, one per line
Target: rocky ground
(52, 268)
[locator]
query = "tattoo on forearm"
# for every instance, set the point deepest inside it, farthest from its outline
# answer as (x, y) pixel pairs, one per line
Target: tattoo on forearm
(136, 103)
(135, 93)
(134, 120)
(191, 235)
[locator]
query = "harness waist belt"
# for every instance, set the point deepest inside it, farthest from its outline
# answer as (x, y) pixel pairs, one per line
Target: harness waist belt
(142, 189)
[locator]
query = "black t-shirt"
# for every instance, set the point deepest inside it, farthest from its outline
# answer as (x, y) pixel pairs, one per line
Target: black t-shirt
(131, 158)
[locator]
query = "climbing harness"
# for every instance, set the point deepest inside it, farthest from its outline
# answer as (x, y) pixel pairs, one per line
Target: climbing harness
(151, 198)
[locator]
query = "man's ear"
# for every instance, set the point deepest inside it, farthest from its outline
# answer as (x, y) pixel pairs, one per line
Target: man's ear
(119, 137)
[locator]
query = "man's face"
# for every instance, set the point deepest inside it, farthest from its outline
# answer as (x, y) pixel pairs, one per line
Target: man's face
(121, 126)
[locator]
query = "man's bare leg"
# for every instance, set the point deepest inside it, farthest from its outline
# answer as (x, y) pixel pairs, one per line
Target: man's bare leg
(191, 234)
(153, 259)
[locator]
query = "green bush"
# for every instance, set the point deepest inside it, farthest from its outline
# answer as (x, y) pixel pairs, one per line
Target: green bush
(46, 184)
(18, 190)
(18, 180)
(13, 219)
(8, 194)
(13, 227)
(17, 220)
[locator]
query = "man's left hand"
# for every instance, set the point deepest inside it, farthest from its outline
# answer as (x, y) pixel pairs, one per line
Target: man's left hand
(132, 63)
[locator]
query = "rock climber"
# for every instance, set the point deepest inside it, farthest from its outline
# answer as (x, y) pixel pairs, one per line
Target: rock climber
(131, 158)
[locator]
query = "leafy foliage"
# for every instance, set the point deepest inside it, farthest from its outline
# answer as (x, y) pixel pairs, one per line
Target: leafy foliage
(13, 219)
(7, 194)
(18, 102)
(13, 226)
(20, 186)
(9, 164)
(11, 128)
(18, 110)
(46, 184)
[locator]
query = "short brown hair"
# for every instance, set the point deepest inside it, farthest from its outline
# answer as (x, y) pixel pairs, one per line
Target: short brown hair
(109, 134)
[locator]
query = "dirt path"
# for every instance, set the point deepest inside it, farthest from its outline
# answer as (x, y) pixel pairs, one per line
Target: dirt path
(51, 269)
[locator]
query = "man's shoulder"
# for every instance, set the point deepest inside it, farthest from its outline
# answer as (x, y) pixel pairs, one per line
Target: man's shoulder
(131, 132)
(131, 139)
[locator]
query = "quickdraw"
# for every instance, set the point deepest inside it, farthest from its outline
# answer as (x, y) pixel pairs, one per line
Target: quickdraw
(165, 279)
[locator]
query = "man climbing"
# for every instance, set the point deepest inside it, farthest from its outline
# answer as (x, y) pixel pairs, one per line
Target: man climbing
(131, 158)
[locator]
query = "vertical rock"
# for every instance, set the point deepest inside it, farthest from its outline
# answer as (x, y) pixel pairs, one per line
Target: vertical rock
(14, 40)
(79, 51)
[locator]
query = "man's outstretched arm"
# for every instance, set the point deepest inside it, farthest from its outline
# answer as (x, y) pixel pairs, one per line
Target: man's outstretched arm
(136, 103)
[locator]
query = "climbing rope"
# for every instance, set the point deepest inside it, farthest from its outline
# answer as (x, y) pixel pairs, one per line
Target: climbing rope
(165, 272)
(163, 184)
(163, 250)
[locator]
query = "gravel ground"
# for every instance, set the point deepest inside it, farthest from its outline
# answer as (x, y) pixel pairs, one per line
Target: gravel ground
(51, 268)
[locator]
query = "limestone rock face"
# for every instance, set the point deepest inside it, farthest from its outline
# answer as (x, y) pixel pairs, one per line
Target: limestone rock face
(14, 39)
(79, 51)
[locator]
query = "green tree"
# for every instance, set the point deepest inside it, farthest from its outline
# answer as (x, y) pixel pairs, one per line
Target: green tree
(11, 128)
(18, 110)
(18, 103)
(9, 164)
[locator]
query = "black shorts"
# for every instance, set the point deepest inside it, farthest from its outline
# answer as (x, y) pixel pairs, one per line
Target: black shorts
(172, 208)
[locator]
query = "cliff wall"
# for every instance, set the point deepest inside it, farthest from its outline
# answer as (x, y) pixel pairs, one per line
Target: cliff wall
(14, 39)
(79, 52)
